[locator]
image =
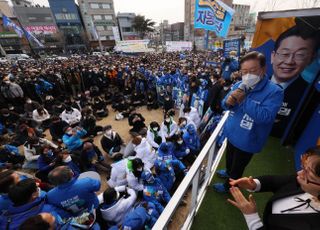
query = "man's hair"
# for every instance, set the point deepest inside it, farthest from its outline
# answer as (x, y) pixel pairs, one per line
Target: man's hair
(6, 180)
(295, 31)
(60, 175)
(109, 196)
(35, 223)
(315, 151)
(254, 55)
(21, 193)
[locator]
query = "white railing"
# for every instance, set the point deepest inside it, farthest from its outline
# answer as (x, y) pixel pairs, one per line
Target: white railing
(210, 157)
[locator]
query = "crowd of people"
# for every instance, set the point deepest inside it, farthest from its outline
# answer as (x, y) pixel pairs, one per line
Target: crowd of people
(48, 124)
(67, 98)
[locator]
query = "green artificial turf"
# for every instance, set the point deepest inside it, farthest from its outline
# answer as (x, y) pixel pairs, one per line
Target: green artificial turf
(217, 214)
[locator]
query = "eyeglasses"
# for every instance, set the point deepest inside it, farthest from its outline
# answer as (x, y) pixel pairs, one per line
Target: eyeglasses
(306, 170)
(297, 56)
(246, 71)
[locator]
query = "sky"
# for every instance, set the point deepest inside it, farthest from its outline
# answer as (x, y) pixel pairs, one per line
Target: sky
(173, 10)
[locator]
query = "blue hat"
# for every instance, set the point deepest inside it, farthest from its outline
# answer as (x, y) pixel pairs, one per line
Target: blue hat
(191, 128)
(135, 220)
(147, 176)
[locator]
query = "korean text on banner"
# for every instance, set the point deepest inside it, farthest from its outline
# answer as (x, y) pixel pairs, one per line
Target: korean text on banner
(231, 45)
(213, 15)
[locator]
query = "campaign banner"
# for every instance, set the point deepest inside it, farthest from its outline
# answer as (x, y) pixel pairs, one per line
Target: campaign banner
(178, 46)
(9, 24)
(132, 46)
(231, 45)
(48, 29)
(213, 15)
(293, 62)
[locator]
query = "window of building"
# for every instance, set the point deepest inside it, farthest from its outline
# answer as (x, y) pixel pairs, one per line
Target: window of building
(66, 16)
(108, 17)
(97, 17)
(99, 28)
(48, 18)
(106, 6)
(32, 18)
(126, 29)
(103, 38)
(111, 37)
(94, 6)
(109, 27)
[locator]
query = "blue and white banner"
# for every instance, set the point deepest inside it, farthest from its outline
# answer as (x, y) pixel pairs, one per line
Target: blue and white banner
(20, 31)
(31, 37)
(213, 15)
(231, 45)
(9, 24)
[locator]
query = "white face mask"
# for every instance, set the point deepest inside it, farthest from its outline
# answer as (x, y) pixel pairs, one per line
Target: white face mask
(250, 80)
(68, 159)
(139, 169)
(225, 88)
(109, 132)
(155, 129)
(168, 120)
(180, 142)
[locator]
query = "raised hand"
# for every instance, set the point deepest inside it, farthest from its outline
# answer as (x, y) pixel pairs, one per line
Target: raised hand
(244, 183)
(245, 206)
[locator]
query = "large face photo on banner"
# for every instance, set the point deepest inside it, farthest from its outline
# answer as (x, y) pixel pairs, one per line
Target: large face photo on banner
(291, 46)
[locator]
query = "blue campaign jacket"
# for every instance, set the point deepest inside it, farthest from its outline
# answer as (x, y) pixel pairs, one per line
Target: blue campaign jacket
(166, 171)
(168, 154)
(75, 197)
(180, 150)
(73, 142)
(250, 123)
(192, 140)
(157, 194)
(140, 217)
(17, 215)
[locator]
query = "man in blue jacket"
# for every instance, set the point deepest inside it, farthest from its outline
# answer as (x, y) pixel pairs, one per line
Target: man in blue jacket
(72, 195)
(253, 104)
(192, 139)
(72, 138)
(27, 202)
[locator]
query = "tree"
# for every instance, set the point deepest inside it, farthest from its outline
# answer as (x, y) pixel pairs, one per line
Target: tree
(143, 25)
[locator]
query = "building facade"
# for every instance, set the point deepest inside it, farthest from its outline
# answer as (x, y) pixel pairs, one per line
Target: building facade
(125, 22)
(9, 39)
(98, 18)
(40, 22)
(171, 32)
(240, 21)
(68, 20)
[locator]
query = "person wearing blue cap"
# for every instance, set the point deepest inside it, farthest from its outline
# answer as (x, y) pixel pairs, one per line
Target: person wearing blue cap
(165, 151)
(154, 191)
(168, 170)
(192, 139)
(144, 216)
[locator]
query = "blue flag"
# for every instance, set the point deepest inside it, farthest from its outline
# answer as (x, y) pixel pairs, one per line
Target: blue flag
(213, 15)
(31, 37)
(9, 24)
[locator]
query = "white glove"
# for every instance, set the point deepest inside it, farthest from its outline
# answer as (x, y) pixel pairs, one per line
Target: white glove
(187, 151)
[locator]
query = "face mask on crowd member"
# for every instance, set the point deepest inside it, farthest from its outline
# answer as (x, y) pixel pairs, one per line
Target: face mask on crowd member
(154, 126)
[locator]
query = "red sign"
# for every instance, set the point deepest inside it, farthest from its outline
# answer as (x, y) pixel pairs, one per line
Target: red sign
(50, 29)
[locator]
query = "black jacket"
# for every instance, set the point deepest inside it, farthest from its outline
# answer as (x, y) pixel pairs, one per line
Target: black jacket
(282, 187)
